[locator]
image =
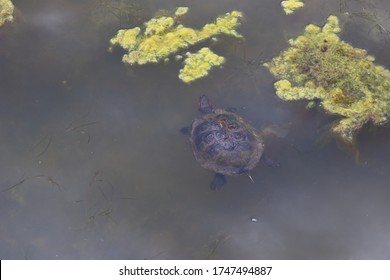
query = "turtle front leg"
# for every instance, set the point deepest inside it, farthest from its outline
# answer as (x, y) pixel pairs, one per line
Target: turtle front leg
(218, 181)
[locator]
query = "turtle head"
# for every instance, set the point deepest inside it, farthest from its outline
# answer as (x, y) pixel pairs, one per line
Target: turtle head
(205, 105)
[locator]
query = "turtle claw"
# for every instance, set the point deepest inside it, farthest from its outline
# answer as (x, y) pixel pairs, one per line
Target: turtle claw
(218, 182)
(250, 177)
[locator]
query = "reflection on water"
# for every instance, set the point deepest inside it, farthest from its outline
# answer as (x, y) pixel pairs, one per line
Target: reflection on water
(93, 165)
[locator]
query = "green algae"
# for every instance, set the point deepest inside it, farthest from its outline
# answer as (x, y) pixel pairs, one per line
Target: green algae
(164, 36)
(320, 66)
(198, 65)
(181, 11)
(6, 11)
(290, 6)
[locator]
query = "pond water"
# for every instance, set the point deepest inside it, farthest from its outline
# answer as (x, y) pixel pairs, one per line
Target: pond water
(93, 165)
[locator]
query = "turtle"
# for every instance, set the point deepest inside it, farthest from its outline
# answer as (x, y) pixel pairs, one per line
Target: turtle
(222, 141)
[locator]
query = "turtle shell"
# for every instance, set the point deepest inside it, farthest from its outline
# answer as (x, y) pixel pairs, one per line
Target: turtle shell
(224, 142)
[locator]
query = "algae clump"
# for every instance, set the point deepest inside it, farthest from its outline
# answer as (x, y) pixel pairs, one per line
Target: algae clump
(6, 11)
(181, 11)
(290, 6)
(164, 36)
(197, 65)
(319, 66)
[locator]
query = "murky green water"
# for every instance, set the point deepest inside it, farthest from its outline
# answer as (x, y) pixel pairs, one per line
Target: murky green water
(96, 168)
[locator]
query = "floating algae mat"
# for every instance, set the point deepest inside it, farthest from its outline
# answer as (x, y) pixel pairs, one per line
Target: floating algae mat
(164, 36)
(319, 66)
(290, 6)
(197, 65)
(6, 11)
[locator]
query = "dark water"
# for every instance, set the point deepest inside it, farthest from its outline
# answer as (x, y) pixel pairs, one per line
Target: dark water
(96, 168)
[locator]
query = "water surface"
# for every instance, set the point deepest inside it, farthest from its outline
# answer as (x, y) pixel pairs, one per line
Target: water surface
(94, 166)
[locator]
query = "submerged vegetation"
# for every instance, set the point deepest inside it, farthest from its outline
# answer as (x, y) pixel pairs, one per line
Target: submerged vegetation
(290, 6)
(6, 11)
(105, 14)
(346, 82)
(371, 16)
(164, 36)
